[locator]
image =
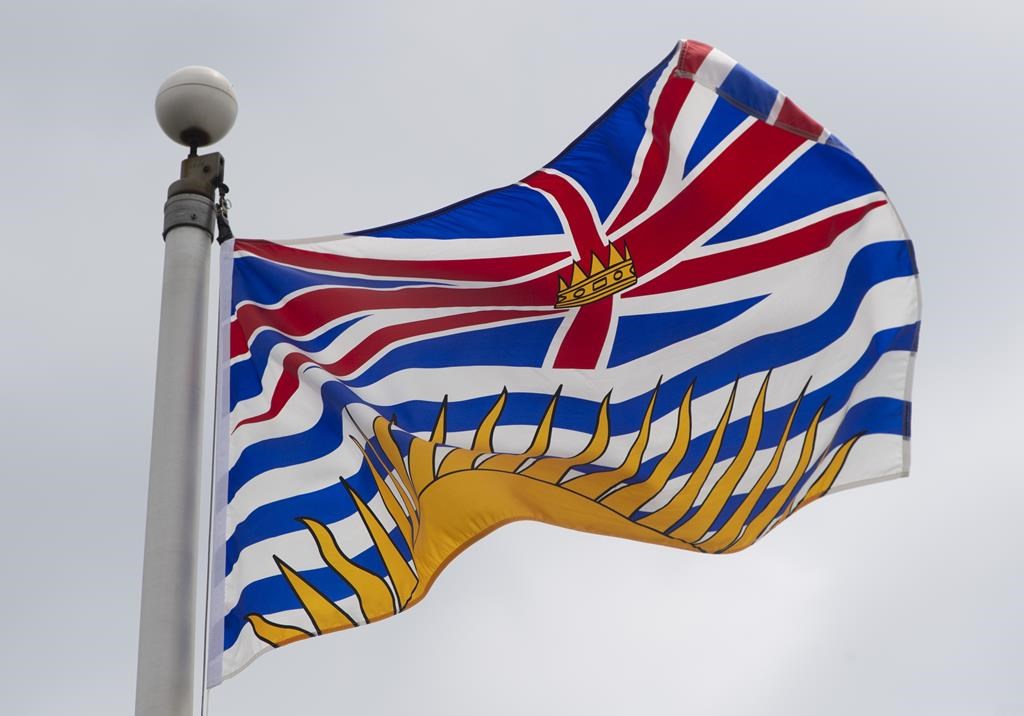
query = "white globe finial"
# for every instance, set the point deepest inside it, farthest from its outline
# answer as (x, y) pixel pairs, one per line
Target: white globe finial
(196, 106)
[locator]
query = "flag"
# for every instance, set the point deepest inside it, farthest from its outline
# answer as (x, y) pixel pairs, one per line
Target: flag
(697, 319)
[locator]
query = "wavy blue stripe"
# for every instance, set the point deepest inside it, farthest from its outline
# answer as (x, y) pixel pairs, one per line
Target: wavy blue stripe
(517, 344)
(246, 376)
(278, 518)
(266, 282)
(871, 265)
(822, 177)
(272, 594)
(637, 336)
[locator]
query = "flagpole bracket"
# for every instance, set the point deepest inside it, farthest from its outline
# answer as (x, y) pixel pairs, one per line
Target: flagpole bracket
(200, 174)
(190, 198)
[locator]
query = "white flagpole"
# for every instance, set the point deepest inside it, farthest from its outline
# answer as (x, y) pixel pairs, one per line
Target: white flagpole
(195, 107)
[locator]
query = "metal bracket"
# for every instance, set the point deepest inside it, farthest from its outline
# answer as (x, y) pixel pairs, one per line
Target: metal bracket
(189, 210)
(190, 198)
(200, 174)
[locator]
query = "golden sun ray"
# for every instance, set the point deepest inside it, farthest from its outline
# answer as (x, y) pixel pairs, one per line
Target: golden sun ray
(538, 446)
(553, 469)
(631, 498)
(275, 634)
(728, 533)
(683, 500)
(402, 576)
(597, 483)
(325, 614)
(373, 593)
(382, 431)
(764, 518)
(407, 523)
(695, 527)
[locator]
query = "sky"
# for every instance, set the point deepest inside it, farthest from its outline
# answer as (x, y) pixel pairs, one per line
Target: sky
(904, 597)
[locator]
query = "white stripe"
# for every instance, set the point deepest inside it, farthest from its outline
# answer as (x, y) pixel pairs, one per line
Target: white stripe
(715, 68)
(773, 115)
(692, 116)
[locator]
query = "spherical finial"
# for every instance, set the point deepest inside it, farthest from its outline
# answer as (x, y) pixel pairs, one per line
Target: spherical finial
(196, 106)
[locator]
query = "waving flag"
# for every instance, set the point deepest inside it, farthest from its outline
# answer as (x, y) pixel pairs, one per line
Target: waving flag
(700, 317)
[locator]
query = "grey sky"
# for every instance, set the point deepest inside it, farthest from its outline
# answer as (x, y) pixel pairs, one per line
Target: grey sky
(894, 599)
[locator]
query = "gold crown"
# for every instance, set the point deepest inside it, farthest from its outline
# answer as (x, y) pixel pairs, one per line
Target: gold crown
(586, 287)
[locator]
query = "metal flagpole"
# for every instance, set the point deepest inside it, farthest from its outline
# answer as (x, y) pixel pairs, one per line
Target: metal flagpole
(196, 107)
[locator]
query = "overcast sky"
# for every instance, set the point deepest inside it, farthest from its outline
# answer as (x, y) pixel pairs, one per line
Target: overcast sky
(900, 598)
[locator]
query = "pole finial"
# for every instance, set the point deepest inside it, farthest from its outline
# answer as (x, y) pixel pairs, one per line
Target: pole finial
(196, 106)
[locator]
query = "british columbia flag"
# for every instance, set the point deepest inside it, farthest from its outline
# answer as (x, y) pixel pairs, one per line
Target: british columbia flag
(696, 319)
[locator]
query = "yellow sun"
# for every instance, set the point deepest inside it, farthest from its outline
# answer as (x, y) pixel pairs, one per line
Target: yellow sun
(441, 510)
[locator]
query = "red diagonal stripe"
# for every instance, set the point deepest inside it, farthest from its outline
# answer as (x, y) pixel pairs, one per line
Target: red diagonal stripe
(757, 257)
(488, 269)
(574, 208)
(710, 196)
(308, 311)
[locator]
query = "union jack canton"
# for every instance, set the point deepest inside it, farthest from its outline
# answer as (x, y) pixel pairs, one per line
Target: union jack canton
(700, 317)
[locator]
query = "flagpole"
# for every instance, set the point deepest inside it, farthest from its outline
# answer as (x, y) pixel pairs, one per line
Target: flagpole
(195, 107)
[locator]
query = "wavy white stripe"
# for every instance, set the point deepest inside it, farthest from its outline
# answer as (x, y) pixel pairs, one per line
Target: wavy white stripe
(692, 116)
